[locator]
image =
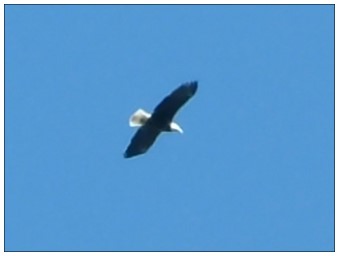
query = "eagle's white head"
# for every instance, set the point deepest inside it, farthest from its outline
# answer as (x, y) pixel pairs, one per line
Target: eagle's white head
(140, 117)
(176, 128)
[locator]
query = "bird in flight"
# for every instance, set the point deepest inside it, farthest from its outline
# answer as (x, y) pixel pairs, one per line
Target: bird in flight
(161, 120)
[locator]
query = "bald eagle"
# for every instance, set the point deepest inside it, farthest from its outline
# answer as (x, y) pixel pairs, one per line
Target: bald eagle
(151, 125)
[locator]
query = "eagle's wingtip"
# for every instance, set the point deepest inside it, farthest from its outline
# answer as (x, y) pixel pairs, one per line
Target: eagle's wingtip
(193, 87)
(126, 155)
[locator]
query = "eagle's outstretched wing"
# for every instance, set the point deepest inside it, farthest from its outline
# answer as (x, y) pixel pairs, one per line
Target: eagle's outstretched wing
(167, 108)
(142, 140)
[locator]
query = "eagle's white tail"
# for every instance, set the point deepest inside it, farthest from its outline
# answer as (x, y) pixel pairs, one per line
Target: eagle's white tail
(139, 118)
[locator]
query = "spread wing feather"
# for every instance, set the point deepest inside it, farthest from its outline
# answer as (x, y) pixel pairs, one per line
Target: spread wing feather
(142, 140)
(168, 107)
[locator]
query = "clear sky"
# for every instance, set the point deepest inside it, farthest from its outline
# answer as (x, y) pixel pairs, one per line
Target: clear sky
(253, 170)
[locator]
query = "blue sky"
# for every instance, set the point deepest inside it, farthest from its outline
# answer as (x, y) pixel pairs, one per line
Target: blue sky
(253, 170)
